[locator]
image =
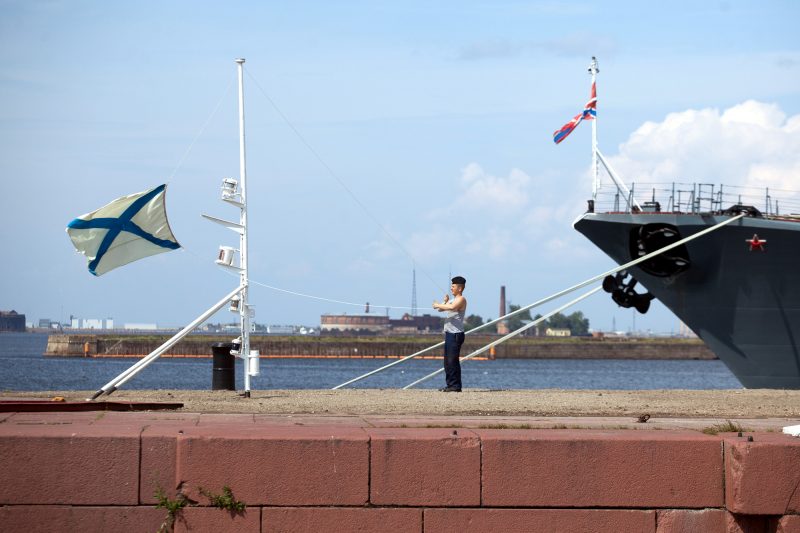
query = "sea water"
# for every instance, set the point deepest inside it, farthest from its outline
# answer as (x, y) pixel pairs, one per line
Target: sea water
(23, 367)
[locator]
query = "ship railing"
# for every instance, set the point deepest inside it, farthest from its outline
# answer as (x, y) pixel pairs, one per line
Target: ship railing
(696, 198)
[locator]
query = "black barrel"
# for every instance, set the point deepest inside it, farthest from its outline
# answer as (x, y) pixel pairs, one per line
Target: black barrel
(223, 376)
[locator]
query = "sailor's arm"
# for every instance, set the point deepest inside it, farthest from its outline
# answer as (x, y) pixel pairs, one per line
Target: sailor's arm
(457, 304)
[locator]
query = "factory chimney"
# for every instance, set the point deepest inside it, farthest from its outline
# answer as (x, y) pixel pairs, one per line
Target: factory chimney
(502, 327)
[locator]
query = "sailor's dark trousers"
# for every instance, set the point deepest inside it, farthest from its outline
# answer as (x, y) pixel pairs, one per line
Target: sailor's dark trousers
(452, 365)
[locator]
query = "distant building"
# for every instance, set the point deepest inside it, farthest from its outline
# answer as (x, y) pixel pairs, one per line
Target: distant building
(12, 321)
(280, 330)
(411, 325)
(91, 323)
(355, 323)
(379, 324)
(557, 332)
(211, 328)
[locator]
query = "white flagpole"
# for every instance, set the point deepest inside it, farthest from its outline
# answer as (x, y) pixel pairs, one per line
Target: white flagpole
(593, 70)
(244, 308)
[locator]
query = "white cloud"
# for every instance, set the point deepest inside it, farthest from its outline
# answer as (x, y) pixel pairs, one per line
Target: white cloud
(752, 144)
(485, 218)
(361, 265)
(496, 243)
(432, 244)
(372, 255)
(491, 216)
(485, 195)
(493, 194)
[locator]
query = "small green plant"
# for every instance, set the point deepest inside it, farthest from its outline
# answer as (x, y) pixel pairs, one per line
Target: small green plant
(173, 507)
(727, 427)
(224, 500)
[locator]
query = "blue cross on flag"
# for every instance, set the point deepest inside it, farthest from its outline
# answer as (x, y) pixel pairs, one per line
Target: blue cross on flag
(127, 229)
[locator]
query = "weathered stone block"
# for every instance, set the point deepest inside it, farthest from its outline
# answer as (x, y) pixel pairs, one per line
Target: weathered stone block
(437, 467)
(789, 524)
(275, 465)
(52, 518)
(692, 521)
(586, 468)
(69, 464)
(157, 467)
(214, 520)
(762, 477)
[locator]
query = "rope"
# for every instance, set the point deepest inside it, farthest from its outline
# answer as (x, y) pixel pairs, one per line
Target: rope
(509, 336)
(202, 129)
(325, 299)
(330, 171)
(294, 293)
(562, 293)
(339, 180)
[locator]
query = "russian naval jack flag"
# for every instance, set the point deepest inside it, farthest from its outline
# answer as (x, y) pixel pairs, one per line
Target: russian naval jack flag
(589, 113)
(127, 229)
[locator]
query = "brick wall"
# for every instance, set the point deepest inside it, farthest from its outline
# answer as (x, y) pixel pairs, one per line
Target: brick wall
(98, 472)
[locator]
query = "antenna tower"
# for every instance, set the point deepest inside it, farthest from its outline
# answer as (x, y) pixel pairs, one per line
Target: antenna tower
(414, 291)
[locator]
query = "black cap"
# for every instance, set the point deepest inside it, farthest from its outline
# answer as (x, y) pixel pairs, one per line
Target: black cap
(458, 280)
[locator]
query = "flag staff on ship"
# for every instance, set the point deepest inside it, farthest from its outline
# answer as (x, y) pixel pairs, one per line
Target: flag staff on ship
(593, 70)
(590, 113)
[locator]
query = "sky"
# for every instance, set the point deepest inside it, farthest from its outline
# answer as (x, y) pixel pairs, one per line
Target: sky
(382, 138)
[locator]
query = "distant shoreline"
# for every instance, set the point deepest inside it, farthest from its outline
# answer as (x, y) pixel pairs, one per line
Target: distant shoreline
(199, 346)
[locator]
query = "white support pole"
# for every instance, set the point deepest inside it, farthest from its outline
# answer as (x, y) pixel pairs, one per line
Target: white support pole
(244, 308)
(593, 70)
(618, 181)
(509, 336)
(560, 293)
(123, 378)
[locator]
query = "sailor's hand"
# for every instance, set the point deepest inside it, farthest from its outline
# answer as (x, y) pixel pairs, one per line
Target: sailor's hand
(446, 298)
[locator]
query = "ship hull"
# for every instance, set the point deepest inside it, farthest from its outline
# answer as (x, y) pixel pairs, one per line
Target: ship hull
(742, 301)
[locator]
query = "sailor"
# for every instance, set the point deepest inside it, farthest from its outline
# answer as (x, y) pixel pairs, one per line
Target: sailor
(453, 332)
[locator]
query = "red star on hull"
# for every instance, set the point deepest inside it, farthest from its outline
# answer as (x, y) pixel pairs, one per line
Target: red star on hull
(756, 243)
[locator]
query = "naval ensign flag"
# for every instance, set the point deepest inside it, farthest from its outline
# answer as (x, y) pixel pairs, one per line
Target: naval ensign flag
(588, 113)
(127, 229)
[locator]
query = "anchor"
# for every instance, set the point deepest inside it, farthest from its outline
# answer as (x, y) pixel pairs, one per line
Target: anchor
(624, 293)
